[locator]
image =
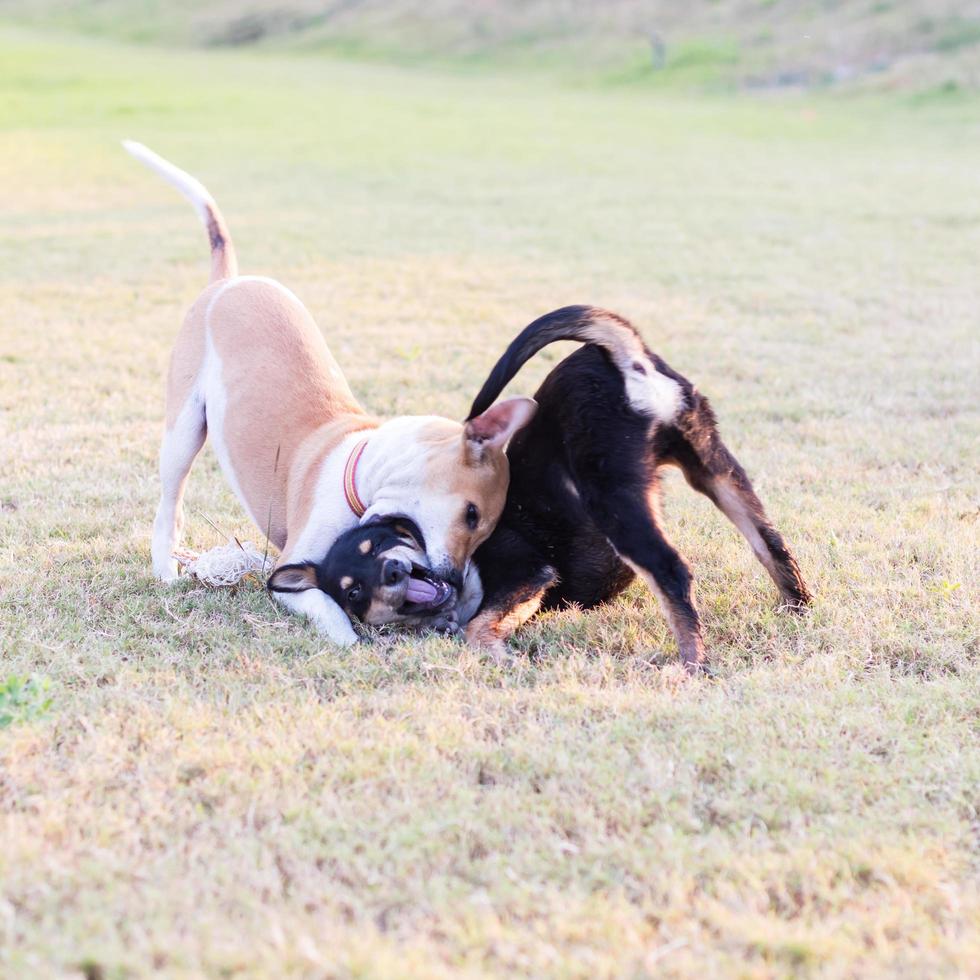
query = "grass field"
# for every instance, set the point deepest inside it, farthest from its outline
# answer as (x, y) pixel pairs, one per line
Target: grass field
(886, 45)
(212, 791)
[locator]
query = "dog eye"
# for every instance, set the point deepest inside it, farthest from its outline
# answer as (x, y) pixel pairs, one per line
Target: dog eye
(354, 594)
(472, 516)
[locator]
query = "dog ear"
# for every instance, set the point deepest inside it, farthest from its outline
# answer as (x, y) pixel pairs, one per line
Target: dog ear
(293, 578)
(491, 431)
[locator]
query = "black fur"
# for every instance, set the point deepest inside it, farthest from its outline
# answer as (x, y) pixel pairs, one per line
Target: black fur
(581, 511)
(581, 515)
(568, 323)
(368, 572)
(215, 237)
(346, 561)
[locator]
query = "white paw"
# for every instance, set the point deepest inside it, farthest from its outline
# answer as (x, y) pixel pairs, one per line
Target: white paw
(344, 642)
(166, 570)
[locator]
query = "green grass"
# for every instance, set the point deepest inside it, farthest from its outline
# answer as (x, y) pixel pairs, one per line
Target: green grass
(713, 45)
(213, 791)
(23, 699)
(959, 34)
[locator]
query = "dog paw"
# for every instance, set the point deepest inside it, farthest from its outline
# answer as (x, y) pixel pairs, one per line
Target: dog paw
(447, 625)
(166, 571)
(498, 653)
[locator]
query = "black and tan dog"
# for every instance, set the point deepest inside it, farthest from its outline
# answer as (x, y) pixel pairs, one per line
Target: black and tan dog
(582, 511)
(375, 574)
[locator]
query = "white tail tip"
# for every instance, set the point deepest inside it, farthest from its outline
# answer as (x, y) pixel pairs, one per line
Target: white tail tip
(189, 186)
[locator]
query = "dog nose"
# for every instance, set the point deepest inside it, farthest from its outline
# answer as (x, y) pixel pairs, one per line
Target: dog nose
(448, 572)
(394, 570)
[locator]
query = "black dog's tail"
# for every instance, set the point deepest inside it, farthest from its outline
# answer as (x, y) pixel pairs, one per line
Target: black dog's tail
(649, 391)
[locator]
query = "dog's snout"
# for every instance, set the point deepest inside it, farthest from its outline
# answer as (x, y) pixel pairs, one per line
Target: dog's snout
(394, 571)
(447, 571)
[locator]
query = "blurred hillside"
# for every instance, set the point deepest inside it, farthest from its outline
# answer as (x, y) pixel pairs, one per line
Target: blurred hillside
(883, 44)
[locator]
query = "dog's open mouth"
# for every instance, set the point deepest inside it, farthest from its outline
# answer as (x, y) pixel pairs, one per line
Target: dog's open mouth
(425, 593)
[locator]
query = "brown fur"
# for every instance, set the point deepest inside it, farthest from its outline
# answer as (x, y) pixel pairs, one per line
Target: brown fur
(492, 628)
(305, 467)
(251, 366)
(454, 463)
(268, 343)
(188, 355)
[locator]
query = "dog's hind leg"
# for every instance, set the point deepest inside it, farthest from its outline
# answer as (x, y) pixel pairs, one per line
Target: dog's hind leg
(711, 469)
(182, 442)
(623, 503)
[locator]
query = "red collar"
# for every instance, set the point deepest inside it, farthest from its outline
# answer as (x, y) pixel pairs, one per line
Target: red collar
(350, 485)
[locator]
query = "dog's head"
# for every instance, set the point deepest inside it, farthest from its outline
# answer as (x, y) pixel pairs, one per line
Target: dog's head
(376, 573)
(450, 479)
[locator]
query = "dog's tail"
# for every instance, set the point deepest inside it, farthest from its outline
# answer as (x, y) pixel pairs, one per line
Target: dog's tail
(224, 263)
(649, 391)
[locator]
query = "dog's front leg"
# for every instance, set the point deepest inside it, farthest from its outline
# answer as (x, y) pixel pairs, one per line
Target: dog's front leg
(507, 608)
(323, 612)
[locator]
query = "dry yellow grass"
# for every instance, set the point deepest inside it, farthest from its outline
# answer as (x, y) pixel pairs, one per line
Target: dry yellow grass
(213, 792)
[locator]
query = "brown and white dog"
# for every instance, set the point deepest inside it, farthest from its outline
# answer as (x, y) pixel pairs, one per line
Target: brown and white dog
(251, 368)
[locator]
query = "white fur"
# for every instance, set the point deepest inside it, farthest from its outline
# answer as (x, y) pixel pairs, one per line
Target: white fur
(323, 612)
(189, 186)
(179, 447)
(651, 393)
(391, 475)
(471, 596)
(216, 400)
(182, 443)
(392, 469)
(330, 515)
(394, 480)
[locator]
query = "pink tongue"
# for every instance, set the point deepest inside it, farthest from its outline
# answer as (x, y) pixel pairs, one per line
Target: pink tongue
(420, 591)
